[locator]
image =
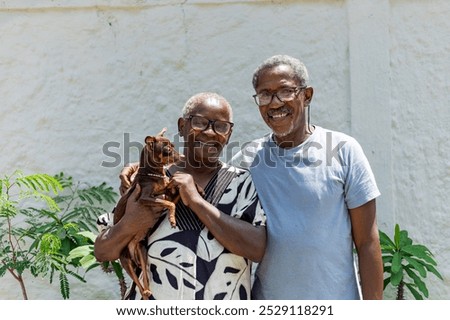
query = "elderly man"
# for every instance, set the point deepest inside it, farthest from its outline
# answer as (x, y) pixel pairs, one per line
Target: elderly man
(208, 255)
(318, 192)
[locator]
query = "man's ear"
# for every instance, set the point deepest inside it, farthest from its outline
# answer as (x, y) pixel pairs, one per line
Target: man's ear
(229, 135)
(309, 92)
(181, 124)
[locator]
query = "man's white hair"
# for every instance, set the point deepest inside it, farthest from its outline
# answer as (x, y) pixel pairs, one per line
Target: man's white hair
(198, 98)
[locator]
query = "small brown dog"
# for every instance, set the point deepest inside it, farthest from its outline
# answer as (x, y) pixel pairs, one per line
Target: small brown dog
(157, 153)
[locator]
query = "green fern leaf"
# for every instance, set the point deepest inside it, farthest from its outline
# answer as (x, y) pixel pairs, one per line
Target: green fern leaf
(52, 273)
(3, 269)
(93, 266)
(64, 286)
(97, 194)
(76, 275)
(89, 225)
(65, 181)
(50, 244)
(40, 182)
(52, 205)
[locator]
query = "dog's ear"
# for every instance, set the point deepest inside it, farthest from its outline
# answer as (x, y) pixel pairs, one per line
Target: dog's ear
(149, 141)
(162, 132)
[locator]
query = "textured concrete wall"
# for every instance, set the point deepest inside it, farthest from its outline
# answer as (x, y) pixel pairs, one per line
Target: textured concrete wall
(76, 76)
(420, 101)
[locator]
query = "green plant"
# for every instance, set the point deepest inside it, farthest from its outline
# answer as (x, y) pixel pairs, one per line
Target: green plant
(87, 260)
(42, 220)
(406, 264)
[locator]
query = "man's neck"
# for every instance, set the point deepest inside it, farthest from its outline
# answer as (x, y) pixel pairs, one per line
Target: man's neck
(288, 141)
(201, 173)
(198, 168)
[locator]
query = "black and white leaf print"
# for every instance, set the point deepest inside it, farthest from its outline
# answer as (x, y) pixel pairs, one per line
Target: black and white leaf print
(231, 270)
(243, 294)
(208, 248)
(167, 251)
(189, 263)
(227, 282)
(175, 270)
(188, 284)
(154, 275)
(172, 279)
(220, 296)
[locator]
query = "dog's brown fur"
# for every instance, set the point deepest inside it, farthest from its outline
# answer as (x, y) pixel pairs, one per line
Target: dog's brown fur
(157, 152)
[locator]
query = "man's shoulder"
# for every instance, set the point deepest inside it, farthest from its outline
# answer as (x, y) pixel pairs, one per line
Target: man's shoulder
(248, 150)
(256, 144)
(238, 176)
(334, 137)
(335, 133)
(238, 171)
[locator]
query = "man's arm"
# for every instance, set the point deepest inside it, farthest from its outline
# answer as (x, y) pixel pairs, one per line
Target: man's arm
(127, 175)
(110, 242)
(238, 236)
(366, 239)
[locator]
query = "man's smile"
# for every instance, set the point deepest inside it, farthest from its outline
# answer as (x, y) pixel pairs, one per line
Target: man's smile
(210, 146)
(279, 114)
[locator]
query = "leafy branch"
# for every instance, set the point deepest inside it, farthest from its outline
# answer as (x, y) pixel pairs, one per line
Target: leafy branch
(42, 219)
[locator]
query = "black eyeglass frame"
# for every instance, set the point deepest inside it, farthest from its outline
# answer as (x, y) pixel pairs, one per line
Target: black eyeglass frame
(299, 89)
(211, 123)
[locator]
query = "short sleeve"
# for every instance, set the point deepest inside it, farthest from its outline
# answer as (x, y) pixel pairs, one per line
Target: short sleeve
(360, 184)
(105, 221)
(240, 200)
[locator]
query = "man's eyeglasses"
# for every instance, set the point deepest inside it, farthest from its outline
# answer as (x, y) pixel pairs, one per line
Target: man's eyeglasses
(219, 127)
(283, 95)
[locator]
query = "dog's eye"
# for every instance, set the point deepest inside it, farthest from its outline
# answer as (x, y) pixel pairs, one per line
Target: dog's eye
(166, 150)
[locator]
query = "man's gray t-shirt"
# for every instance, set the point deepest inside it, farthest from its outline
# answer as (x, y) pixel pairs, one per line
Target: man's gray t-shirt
(306, 192)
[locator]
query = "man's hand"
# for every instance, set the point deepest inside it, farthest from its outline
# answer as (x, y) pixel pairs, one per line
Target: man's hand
(127, 176)
(140, 216)
(187, 188)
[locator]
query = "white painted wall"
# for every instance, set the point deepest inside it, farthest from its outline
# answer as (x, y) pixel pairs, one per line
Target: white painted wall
(75, 75)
